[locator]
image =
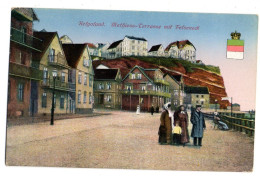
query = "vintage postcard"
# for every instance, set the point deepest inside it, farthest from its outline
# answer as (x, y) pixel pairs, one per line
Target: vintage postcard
(131, 90)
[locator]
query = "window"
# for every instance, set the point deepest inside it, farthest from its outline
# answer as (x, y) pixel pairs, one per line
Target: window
(79, 96)
(62, 101)
(85, 97)
(62, 77)
(109, 86)
(85, 62)
(90, 98)
(128, 87)
(79, 78)
(197, 102)
(202, 102)
(101, 86)
(175, 92)
(23, 58)
(44, 100)
(133, 76)
(175, 102)
(109, 98)
(20, 92)
(51, 55)
(197, 96)
(143, 88)
(90, 80)
(85, 79)
(139, 76)
(202, 96)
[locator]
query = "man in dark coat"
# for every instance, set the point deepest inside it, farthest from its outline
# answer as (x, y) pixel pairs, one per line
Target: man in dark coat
(198, 125)
(152, 110)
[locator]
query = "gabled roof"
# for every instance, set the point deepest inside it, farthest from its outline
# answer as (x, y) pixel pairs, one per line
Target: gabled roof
(73, 53)
(155, 48)
(115, 44)
(179, 44)
(46, 38)
(25, 14)
(176, 77)
(106, 74)
(196, 90)
(148, 73)
(91, 45)
(136, 38)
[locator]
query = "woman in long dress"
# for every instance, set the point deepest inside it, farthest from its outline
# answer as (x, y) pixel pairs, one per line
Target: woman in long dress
(182, 116)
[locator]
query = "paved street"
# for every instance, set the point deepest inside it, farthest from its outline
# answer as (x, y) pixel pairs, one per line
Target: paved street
(123, 140)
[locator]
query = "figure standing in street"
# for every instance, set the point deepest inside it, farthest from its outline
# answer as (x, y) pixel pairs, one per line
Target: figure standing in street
(198, 125)
(182, 117)
(157, 109)
(152, 110)
(176, 134)
(165, 129)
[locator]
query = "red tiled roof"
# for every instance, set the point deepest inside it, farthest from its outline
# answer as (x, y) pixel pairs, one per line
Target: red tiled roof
(91, 45)
(179, 44)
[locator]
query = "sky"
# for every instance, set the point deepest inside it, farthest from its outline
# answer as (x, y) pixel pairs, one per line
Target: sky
(210, 39)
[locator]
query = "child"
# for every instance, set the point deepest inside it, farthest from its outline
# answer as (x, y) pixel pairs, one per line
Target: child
(176, 133)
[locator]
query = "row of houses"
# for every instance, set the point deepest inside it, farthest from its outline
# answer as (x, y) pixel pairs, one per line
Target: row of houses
(39, 61)
(144, 87)
(138, 46)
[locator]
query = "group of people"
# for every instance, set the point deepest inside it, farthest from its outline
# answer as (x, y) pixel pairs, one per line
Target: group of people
(174, 126)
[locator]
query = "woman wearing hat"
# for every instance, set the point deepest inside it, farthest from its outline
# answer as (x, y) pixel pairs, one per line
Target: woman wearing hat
(165, 129)
(181, 116)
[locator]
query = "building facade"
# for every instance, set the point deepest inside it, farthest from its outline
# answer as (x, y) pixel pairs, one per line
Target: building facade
(81, 77)
(52, 62)
(129, 46)
(196, 96)
(93, 50)
(176, 89)
(23, 78)
(156, 51)
(144, 87)
(107, 88)
(181, 49)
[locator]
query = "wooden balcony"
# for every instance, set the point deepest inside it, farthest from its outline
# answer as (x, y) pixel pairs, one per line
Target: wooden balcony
(58, 60)
(24, 39)
(20, 70)
(59, 85)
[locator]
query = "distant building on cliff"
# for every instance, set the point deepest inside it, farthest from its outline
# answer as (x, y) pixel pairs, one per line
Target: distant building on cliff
(181, 49)
(129, 46)
(156, 51)
(65, 40)
(92, 48)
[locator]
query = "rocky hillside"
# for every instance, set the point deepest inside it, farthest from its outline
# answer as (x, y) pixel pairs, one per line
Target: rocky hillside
(193, 75)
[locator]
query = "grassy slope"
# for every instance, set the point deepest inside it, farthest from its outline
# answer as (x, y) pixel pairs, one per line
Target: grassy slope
(173, 62)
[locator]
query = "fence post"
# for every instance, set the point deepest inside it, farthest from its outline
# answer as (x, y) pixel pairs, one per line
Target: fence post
(250, 125)
(246, 124)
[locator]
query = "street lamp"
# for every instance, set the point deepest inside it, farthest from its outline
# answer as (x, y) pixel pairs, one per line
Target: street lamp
(54, 75)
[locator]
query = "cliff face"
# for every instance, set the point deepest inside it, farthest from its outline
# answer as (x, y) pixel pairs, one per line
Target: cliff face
(198, 77)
